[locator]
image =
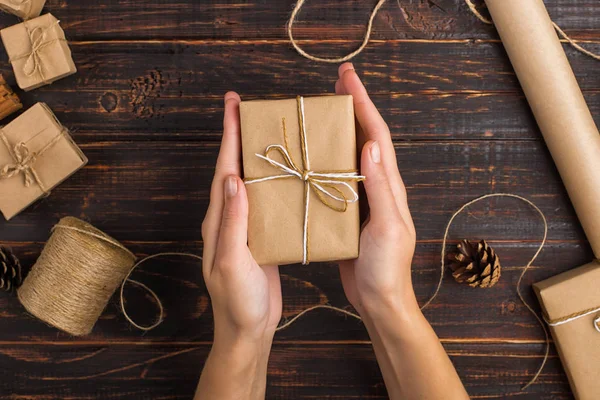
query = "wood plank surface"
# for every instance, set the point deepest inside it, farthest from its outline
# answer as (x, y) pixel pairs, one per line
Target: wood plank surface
(259, 19)
(146, 107)
(296, 371)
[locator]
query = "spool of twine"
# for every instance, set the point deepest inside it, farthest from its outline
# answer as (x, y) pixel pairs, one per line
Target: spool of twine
(77, 273)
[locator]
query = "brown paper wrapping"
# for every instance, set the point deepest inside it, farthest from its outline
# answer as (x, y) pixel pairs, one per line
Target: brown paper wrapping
(557, 103)
(24, 9)
(9, 101)
(38, 51)
(577, 342)
(560, 109)
(36, 127)
(275, 232)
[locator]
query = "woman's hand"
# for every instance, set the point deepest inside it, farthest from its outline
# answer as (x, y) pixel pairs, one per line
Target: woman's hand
(378, 283)
(246, 298)
(380, 279)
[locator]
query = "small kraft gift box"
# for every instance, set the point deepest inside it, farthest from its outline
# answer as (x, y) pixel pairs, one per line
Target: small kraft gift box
(571, 305)
(38, 52)
(24, 9)
(36, 155)
(300, 169)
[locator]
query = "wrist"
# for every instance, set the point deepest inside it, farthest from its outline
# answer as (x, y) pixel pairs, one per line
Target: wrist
(243, 345)
(236, 368)
(395, 309)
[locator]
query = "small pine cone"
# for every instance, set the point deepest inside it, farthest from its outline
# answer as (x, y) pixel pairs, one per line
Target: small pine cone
(10, 270)
(475, 264)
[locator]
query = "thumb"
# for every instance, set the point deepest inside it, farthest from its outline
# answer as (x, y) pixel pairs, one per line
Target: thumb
(233, 235)
(382, 204)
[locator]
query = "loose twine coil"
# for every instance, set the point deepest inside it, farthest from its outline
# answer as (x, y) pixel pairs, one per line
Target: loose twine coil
(81, 267)
(367, 36)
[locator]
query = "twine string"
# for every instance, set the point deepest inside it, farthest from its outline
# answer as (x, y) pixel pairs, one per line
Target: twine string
(24, 160)
(38, 38)
(327, 185)
(575, 316)
(442, 272)
(161, 310)
(367, 36)
(333, 60)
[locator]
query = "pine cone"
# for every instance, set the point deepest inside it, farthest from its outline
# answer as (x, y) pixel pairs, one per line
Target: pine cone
(10, 270)
(476, 264)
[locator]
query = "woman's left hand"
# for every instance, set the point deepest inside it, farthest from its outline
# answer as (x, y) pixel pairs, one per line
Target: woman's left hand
(246, 297)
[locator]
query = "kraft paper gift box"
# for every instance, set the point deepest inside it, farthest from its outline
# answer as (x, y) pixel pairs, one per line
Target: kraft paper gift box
(283, 228)
(571, 305)
(24, 9)
(38, 52)
(36, 155)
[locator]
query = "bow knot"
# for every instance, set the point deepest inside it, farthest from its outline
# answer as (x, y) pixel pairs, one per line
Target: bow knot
(328, 185)
(39, 40)
(24, 161)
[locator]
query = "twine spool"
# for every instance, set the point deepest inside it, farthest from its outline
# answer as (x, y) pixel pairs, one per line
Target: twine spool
(77, 273)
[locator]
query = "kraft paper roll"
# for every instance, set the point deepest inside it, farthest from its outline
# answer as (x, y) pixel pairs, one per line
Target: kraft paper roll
(561, 112)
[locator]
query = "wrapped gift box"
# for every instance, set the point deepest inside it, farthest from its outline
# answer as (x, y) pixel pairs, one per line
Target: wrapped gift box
(38, 52)
(283, 229)
(24, 9)
(571, 305)
(36, 155)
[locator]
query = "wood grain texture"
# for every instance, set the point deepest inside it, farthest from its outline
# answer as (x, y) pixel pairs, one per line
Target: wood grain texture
(146, 107)
(260, 19)
(296, 371)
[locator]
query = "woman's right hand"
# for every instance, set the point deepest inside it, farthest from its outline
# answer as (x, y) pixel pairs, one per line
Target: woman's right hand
(380, 279)
(378, 283)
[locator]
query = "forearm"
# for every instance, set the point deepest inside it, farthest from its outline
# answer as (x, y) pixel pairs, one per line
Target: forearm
(235, 369)
(412, 360)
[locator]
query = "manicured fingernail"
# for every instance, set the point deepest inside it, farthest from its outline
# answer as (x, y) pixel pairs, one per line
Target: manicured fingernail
(231, 187)
(375, 153)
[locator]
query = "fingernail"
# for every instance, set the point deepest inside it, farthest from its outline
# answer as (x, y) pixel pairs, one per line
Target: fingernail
(231, 187)
(375, 153)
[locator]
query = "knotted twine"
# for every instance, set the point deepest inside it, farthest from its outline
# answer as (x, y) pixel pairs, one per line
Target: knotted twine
(367, 36)
(39, 40)
(325, 184)
(24, 160)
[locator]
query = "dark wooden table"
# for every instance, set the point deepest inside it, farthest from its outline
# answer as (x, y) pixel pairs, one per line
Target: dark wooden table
(146, 107)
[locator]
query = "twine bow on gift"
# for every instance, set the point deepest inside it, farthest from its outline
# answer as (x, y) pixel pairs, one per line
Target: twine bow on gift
(24, 161)
(39, 41)
(327, 185)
